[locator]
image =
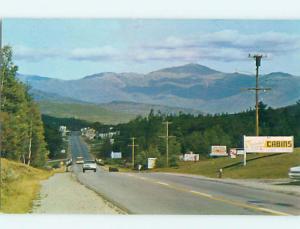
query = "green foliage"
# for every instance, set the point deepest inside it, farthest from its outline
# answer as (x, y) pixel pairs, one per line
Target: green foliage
(105, 149)
(198, 133)
(71, 123)
(22, 135)
(54, 140)
(141, 158)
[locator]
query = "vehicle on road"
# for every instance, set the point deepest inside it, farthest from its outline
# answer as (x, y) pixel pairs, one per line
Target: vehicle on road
(79, 160)
(89, 165)
(294, 173)
(99, 161)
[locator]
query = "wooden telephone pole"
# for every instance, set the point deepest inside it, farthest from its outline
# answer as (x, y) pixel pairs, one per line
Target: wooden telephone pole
(132, 154)
(167, 123)
(257, 58)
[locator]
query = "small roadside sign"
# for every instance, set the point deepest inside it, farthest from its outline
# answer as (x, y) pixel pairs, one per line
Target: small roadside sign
(233, 152)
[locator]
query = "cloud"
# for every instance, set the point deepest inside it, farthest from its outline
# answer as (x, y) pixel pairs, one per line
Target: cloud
(78, 54)
(34, 55)
(225, 46)
(93, 54)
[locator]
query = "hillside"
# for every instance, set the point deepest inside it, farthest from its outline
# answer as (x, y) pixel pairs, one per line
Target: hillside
(191, 86)
(144, 109)
(20, 186)
(273, 167)
(84, 111)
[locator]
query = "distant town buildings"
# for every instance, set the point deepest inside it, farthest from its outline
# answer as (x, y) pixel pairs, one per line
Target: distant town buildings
(91, 133)
(88, 132)
(109, 134)
(64, 131)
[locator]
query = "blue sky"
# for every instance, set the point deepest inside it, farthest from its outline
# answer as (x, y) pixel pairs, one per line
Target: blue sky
(74, 48)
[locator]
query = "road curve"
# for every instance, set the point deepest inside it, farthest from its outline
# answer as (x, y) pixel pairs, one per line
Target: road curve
(160, 193)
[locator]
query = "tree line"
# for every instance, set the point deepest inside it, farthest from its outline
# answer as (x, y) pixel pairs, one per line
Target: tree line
(22, 131)
(199, 133)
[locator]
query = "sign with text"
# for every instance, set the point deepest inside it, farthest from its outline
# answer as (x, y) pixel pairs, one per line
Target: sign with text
(268, 144)
(116, 155)
(151, 163)
(218, 151)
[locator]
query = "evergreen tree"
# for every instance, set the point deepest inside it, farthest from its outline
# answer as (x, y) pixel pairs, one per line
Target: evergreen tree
(22, 134)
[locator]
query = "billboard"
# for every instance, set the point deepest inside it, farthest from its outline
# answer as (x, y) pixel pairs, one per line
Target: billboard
(116, 155)
(218, 151)
(268, 144)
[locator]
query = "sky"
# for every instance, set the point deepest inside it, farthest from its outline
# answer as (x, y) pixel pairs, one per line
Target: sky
(74, 48)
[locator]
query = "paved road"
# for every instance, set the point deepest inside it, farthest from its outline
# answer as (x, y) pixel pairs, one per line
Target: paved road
(160, 193)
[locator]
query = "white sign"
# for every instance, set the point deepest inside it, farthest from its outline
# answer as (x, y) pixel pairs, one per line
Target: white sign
(151, 163)
(267, 144)
(116, 155)
(240, 152)
(218, 151)
(191, 157)
(233, 153)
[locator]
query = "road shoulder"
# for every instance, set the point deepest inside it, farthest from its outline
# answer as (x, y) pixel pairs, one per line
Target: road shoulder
(62, 194)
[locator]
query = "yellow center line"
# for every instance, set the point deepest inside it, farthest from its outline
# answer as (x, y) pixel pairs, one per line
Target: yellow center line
(209, 196)
(201, 193)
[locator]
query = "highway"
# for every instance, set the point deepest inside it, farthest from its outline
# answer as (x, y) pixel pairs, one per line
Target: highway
(161, 193)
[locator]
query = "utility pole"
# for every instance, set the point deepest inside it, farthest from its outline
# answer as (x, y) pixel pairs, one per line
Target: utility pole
(257, 58)
(167, 123)
(132, 154)
(30, 141)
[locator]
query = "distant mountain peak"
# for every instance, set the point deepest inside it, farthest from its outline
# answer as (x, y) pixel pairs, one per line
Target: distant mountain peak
(99, 75)
(25, 78)
(191, 68)
(279, 74)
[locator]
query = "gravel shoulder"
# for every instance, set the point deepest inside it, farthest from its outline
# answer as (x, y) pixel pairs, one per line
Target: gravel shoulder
(62, 194)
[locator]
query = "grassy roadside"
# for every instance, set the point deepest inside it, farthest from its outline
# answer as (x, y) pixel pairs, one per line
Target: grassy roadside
(20, 186)
(272, 167)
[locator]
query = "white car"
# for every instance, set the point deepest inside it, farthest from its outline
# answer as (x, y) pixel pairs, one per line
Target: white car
(89, 165)
(294, 173)
(79, 160)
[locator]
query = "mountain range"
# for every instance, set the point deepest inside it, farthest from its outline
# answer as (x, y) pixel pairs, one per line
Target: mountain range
(193, 87)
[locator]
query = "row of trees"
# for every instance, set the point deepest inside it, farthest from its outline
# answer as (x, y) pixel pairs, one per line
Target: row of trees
(22, 132)
(198, 133)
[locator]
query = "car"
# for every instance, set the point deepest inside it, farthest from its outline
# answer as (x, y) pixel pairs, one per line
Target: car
(68, 162)
(99, 161)
(89, 165)
(79, 160)
(294, 173)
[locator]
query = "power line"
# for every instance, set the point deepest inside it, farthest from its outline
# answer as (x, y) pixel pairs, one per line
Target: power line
(133, 146)
(167, 123)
